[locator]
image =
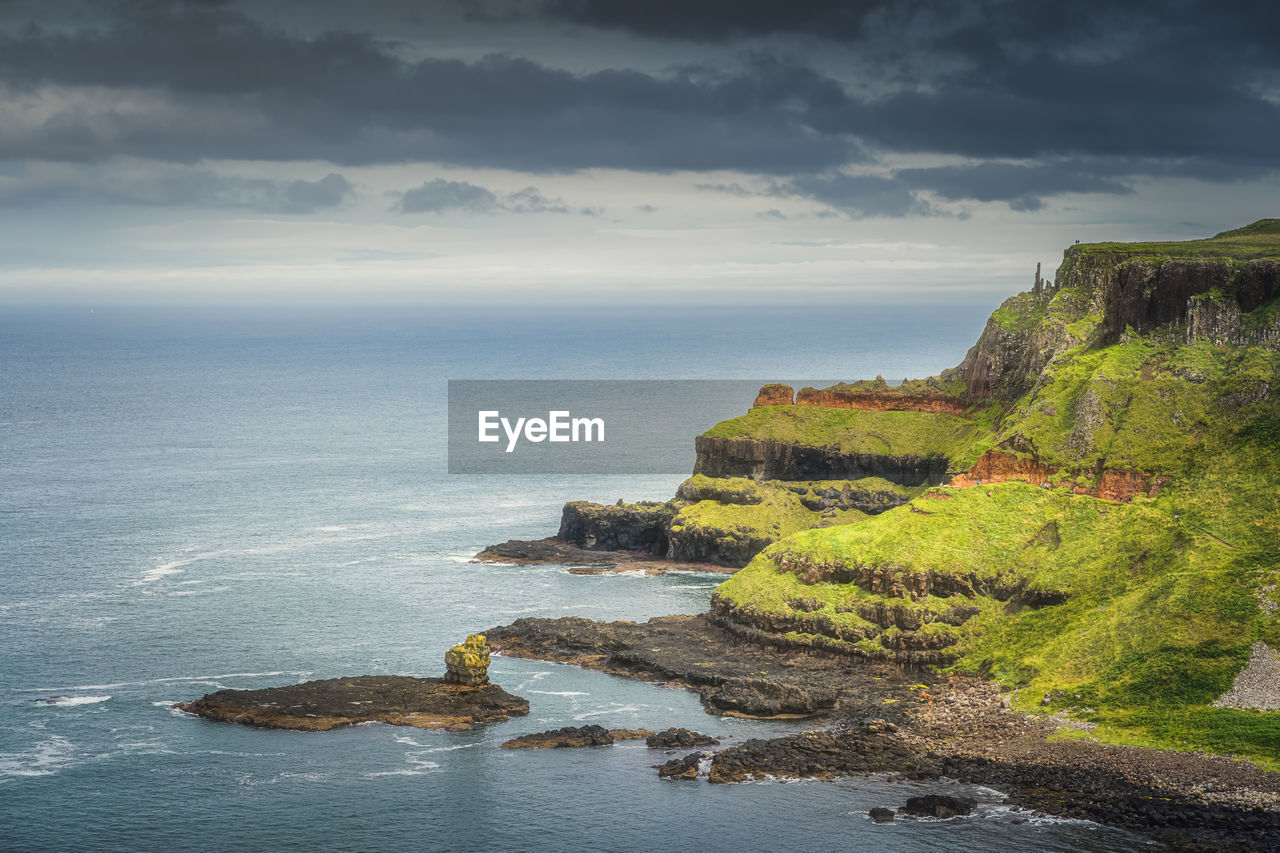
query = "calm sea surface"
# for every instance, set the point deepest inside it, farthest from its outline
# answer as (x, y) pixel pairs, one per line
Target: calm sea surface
(197, 499)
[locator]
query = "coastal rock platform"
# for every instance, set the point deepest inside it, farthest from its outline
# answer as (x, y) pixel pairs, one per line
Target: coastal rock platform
(584, 561)
(917, 725)
(316, 706)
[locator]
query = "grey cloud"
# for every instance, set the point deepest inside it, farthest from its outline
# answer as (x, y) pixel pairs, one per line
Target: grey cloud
(440, 196)
(1023, 187)
(350, 98)
(858, 196)
(177, 187)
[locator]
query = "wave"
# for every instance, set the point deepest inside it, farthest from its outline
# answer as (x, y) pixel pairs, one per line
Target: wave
(73, 700)
(43, 759)
(620, 709)
(559, 692)
(184, 679)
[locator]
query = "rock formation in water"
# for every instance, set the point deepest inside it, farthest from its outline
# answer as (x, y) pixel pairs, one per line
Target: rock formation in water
(462, 699)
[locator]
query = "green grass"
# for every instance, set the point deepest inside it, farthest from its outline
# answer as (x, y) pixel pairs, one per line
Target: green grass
(1259, 240)
(923, 435)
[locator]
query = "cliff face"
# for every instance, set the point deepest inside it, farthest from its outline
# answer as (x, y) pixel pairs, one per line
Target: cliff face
(769, 459)
(1102, 290)
(882, 399)
(623, 527)
(834, 398)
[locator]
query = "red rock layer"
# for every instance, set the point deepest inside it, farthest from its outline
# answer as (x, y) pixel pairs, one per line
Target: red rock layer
(1113, 484)
(774, 394)
(890, 401)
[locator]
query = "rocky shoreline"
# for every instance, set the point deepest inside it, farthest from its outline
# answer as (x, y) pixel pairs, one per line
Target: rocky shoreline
(878, 717)
(582, 561)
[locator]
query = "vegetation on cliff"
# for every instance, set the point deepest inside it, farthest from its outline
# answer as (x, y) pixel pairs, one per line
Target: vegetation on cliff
(1133, 616)
(848, 431)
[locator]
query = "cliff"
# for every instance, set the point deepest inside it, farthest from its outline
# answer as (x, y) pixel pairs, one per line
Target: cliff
(1216, 289)
(1105, 538)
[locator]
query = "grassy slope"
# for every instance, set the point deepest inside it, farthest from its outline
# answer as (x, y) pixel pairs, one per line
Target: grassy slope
(857, 431)
(742, 507)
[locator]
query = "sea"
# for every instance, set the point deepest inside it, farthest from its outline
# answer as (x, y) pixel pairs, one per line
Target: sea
(201, 498)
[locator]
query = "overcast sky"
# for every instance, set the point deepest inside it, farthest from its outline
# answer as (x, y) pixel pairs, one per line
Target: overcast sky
(613, 151)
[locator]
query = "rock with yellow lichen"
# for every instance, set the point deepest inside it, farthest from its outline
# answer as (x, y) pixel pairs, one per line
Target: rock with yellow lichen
(468, 663)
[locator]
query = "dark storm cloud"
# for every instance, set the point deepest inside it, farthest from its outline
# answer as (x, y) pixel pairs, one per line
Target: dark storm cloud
(1023, 187)
(701, 20)
(348, 98)
(443, 196)
(1083, 95)
(858, 195)
(178, 187)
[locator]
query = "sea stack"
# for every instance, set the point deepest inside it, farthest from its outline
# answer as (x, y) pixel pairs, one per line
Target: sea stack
(468, 663)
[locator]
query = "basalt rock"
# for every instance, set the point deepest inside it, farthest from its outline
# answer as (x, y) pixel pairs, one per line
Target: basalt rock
(674, 738)
(426, 703)
(575, 736)
(682, 768)
(768, 459)
(629, 527)
(938, 805)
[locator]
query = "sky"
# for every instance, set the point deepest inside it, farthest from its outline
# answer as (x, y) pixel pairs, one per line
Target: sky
(606, 151)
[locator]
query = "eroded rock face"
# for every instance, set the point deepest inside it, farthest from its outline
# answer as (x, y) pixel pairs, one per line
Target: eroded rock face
(625, 527)
(775, 394)
(767, 459)
(468, 663)
(1111, 484)
(426, 703)
(887, 401)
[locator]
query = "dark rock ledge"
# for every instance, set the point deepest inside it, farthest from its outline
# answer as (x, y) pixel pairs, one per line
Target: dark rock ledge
(460, 700)
(317, 706)
(575, 736)
(583, 561)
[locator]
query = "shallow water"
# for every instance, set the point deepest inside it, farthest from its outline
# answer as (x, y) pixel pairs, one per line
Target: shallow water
(195, 500)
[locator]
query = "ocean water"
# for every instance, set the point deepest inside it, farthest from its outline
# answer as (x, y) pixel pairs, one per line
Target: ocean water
(193, 499)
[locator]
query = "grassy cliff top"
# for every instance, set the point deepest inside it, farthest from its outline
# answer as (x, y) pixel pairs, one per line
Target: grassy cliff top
(1258, 240)
(861, 431)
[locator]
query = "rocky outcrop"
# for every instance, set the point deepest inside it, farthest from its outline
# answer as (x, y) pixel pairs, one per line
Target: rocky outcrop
(575, 736)
(316, 706)
(468, 662)
(1200, 299)
(674, 738)
(627, 527)
(767, 459)
(1147, 293)
(697, 544)
(938, 805)
(774, 394)
(460, 700)
(881, 401)
(1111, 484)
(846, 496)
(584, 562)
